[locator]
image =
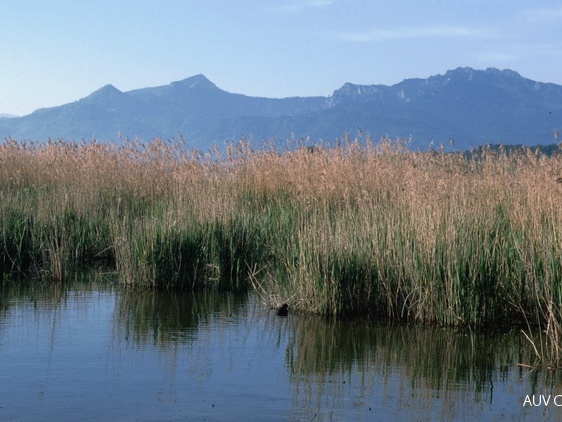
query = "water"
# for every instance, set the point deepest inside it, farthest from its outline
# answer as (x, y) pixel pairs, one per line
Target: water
(94, 351)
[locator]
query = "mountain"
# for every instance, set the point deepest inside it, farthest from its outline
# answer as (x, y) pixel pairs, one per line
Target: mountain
(473, 107)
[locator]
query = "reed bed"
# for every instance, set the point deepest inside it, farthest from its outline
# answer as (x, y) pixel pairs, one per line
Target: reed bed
(358, 228)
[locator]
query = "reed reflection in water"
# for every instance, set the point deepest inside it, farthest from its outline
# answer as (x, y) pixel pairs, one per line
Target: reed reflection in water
(90, 350)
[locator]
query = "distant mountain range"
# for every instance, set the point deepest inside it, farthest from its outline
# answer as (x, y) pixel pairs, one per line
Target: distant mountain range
(471, 107)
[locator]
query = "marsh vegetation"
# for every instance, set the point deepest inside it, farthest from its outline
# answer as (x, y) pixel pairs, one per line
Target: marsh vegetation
(359, 228)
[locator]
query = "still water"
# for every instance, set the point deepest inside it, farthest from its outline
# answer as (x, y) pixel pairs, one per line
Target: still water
(92, 351)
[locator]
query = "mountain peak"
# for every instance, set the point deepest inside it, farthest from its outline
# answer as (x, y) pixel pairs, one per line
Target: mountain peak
(469, 73)
(108, 98)
(107, 91)
(195, 82)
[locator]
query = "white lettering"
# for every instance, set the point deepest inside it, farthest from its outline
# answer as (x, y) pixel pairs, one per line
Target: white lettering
(542, 400)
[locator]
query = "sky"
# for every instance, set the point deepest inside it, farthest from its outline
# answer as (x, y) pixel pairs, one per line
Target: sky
(57, 51)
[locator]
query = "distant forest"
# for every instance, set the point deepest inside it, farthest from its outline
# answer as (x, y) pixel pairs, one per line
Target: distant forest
(548, 150)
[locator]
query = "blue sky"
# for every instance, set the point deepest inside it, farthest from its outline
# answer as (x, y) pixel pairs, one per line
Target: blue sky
(57, 51)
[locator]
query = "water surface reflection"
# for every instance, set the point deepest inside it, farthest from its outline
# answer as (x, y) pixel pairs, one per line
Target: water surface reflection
(92, 350)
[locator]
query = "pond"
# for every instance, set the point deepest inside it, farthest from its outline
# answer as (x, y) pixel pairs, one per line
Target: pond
(92, 350)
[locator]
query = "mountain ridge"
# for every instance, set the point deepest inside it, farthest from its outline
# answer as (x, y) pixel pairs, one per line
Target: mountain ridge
(473, 107)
